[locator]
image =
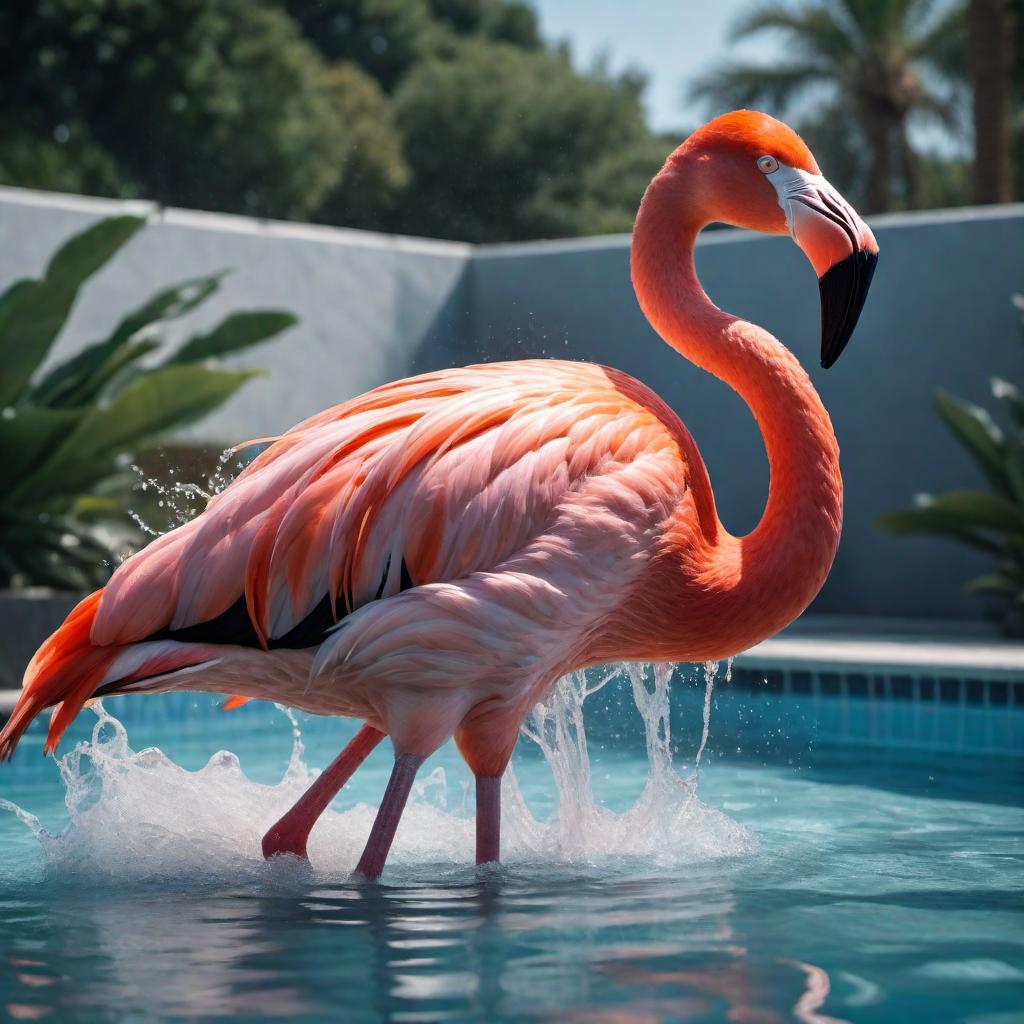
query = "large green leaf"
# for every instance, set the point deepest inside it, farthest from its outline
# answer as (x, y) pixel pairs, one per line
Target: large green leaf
(981, 510)
(974, 429)
(81, 379)
(10, 299)
(162, 400)
(56, 487)
(238, 331)
(35, 315)
(166, 399)
(27, 437)
(83, 254)
(992, 583)
(932, 522)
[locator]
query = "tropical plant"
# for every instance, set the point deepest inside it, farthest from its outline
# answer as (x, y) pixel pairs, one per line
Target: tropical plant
(68, 430)
(878, 60)
(991, 521)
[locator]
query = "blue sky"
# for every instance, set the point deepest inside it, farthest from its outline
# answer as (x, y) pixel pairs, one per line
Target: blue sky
(671, 40)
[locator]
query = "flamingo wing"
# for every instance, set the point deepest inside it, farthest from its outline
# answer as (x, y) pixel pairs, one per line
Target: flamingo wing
(422, 481)
(531, 488)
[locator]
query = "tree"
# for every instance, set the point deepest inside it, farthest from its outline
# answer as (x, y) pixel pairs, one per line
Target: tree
(990, 46)
(215, 104)
(501, 141)
(870, 58)
(386, 38)
(322, 109)
(373, 170)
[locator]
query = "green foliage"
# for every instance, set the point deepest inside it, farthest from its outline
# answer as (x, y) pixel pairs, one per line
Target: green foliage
(306, 109)
(72, 162)
(203, 103)
(66, 432)
(990, 521)
(373, 170)
(501, 141)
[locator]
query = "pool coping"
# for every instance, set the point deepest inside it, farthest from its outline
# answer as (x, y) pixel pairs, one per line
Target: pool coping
(888, 654)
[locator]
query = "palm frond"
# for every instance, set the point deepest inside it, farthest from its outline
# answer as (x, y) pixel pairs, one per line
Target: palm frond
(747, 85)
(885, 21)
(942, 44)
(813, 31)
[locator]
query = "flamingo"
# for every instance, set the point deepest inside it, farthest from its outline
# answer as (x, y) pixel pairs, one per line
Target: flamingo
(431, 556)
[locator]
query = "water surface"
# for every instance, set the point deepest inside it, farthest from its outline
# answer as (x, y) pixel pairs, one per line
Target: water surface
(788, 883)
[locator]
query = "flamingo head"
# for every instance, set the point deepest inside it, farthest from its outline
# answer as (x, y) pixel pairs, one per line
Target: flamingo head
(753, 171)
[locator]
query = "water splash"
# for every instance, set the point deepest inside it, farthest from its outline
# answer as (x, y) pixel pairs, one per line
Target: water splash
(139, 816)
(710, 673)
(180, 501)
(666, 825)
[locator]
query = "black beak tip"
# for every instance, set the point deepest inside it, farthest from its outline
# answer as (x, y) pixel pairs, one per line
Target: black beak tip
(843, 289)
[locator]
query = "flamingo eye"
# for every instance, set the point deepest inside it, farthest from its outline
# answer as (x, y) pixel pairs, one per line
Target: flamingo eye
(767, 164)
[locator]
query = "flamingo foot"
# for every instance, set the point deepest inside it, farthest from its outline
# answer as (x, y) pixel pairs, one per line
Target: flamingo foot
(280, 840)
(382, 835)
(289, 835)
(488, 819)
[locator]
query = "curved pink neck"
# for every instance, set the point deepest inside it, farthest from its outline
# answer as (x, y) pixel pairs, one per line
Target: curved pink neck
(779, 567)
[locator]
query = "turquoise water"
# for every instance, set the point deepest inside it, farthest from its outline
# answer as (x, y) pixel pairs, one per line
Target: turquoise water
(788, 881)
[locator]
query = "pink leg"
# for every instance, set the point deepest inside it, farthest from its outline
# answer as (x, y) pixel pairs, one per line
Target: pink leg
(289, 835)
(488, 818)
(371, 864)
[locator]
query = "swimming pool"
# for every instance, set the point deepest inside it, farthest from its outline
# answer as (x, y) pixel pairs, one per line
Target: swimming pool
(800, 876)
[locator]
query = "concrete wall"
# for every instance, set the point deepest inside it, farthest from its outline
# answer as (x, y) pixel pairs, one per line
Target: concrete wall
(374, 308)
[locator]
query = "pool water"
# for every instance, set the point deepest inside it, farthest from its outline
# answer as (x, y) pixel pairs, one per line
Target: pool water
(780, 881)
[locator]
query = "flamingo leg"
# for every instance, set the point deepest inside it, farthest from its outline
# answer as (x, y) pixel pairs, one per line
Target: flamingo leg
(488, 818)
(289, 835)
(371, 864)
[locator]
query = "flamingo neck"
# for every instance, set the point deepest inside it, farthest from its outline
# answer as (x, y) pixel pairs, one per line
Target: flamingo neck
(769, 576)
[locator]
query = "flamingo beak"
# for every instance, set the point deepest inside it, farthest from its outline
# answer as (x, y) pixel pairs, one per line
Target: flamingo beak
(843, 288)
(840, 246)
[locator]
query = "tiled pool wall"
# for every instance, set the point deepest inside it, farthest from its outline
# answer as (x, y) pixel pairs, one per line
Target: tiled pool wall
(775, 715)
(925, 709)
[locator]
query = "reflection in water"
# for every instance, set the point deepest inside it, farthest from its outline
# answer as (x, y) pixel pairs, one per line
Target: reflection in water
(495, 949)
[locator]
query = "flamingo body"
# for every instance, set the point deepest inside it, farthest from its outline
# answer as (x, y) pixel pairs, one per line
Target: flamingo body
(473, 529)
(431, 556)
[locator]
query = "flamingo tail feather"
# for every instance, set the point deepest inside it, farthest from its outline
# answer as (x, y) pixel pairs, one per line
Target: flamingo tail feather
(63, 675)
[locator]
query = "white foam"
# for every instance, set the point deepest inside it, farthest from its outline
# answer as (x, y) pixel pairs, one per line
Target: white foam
(139, 816)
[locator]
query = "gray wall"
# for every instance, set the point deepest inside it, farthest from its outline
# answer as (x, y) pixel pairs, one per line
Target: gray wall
(939, 315)
(374, 308)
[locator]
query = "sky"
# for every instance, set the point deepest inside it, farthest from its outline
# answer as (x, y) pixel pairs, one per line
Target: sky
(671, 40)
(674, 41)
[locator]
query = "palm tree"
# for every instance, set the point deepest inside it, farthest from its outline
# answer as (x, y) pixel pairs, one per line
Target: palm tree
(876, 63)
(990, 45)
